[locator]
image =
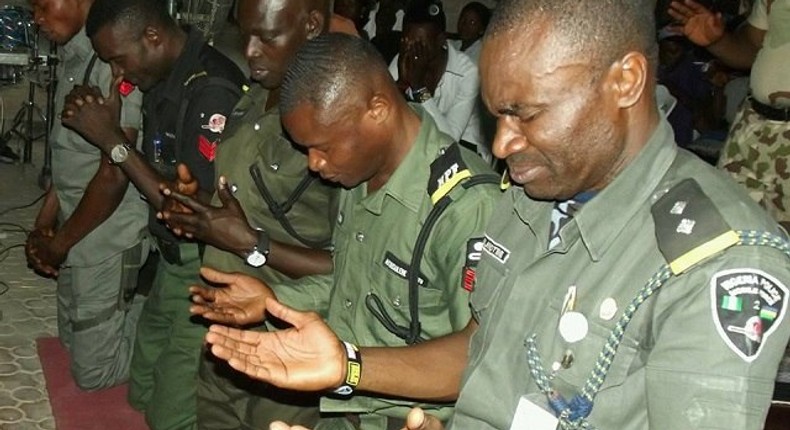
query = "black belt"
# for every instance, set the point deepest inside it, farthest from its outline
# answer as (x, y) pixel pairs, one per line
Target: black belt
(770, 112)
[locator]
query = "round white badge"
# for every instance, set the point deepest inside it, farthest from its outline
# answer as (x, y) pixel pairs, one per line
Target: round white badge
(573, 327)
(608, 309)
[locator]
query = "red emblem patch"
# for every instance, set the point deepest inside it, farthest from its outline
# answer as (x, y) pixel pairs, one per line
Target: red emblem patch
(207, 148)
(470, 275)
(125, 88)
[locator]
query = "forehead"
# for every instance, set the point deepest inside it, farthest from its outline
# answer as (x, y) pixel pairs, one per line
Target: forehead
(113, 39)
(269, 14)
(536, 58)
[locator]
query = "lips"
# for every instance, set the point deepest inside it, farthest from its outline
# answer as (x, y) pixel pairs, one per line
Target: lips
(525, 173)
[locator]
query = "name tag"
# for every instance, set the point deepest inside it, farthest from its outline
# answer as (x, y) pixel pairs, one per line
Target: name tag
(533, 417)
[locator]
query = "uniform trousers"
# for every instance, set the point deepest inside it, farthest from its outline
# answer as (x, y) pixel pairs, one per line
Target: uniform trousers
(97, 317)
(166, 353)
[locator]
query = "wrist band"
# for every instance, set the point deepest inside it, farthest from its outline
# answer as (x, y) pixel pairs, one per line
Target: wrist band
(353, 371)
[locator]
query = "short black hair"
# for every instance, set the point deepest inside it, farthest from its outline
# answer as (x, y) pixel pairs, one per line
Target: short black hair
(603, 29)
(481, 10)
(327, 69)
(426, 12)
(136, 14)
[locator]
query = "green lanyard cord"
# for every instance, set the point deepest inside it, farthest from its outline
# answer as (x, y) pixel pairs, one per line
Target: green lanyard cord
(573, 414)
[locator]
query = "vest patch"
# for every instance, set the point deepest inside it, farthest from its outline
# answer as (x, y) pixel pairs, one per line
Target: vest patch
(398, 267)
(747, 305)
(494, 249)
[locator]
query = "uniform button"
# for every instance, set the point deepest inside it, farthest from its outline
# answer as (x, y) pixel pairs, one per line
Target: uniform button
(256, 127)
(360, 237)
(340, 218)
(71, 79)
(396, 302)
(347, 304)
(275, 166)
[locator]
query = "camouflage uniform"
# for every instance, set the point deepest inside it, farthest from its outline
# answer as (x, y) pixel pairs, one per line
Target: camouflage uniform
(757, 148)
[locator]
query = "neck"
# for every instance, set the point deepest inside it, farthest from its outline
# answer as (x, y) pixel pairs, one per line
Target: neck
(175, 44)
(406, 129)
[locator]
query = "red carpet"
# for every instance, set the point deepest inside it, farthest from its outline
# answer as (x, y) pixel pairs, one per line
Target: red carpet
(79, 410)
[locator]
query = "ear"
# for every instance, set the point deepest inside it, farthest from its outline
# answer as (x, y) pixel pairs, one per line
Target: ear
(378, 108)
(152, 36)
(628, 78)
(316, 23)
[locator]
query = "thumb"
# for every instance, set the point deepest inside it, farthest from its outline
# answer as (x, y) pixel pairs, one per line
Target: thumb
(282, 312)
(184, 175)
(115, 93)
(217, 277)
(225, 195)
(419, 420)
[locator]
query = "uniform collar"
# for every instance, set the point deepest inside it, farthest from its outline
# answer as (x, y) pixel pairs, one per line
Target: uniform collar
(603, 218)
(78, 47)
(408, 185)
(183, 68)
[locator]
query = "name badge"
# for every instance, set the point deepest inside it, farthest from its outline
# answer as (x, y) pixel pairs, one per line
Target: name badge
(533, 417)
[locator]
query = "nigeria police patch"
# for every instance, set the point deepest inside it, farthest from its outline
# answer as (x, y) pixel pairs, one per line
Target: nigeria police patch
(747, 305)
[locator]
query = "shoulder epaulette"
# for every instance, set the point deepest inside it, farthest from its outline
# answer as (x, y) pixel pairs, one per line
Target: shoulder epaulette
(689, 227)
(447, 171)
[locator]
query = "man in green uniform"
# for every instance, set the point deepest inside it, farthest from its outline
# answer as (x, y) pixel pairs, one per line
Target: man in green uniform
(90, 231)
(617, 288)
(277, 208)
(394, 282)
(190, 88)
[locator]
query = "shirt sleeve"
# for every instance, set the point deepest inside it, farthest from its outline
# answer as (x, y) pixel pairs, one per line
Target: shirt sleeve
(452, 248)
(462, 90)
(719, 335)
(310, 293)
(203, 123)
(759, 16)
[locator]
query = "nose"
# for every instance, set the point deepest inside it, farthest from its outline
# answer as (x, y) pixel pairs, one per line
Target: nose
(508, 139)
(315, 162)
(251, 48)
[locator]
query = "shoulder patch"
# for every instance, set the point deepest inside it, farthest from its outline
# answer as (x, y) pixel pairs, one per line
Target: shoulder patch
(446, 172)
(747, 305)
(474, 252)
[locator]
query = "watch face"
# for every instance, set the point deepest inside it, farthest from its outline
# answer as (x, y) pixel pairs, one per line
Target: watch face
(119, 154)
(256, 259)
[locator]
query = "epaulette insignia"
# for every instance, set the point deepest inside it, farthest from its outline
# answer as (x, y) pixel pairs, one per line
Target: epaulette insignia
(689, 228)
(446, 172)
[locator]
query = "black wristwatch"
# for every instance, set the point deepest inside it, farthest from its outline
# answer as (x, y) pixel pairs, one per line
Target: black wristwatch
(260, 252)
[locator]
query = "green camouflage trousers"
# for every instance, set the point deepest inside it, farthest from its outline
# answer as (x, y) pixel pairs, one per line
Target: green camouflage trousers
(756, 155)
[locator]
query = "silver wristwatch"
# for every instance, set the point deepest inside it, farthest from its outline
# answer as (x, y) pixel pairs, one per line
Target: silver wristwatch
(258, 256)
(120, 152)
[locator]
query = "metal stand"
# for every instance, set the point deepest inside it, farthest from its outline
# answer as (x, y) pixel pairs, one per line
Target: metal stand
(45, 177)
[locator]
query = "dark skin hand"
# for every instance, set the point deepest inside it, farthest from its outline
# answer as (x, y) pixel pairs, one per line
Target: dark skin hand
(186, 185)
(226, 227)
(103, 114)
(416, 420)
(240, 299)
(220, 226)
(38, 249)
(413, 63)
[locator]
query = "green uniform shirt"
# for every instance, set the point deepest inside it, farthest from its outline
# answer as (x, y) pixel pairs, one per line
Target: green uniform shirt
(374, 238)
(674, 369)
(75, 161)
(254, 137)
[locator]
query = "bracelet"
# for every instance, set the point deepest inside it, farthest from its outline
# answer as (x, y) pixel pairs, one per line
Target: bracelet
(353, 371)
